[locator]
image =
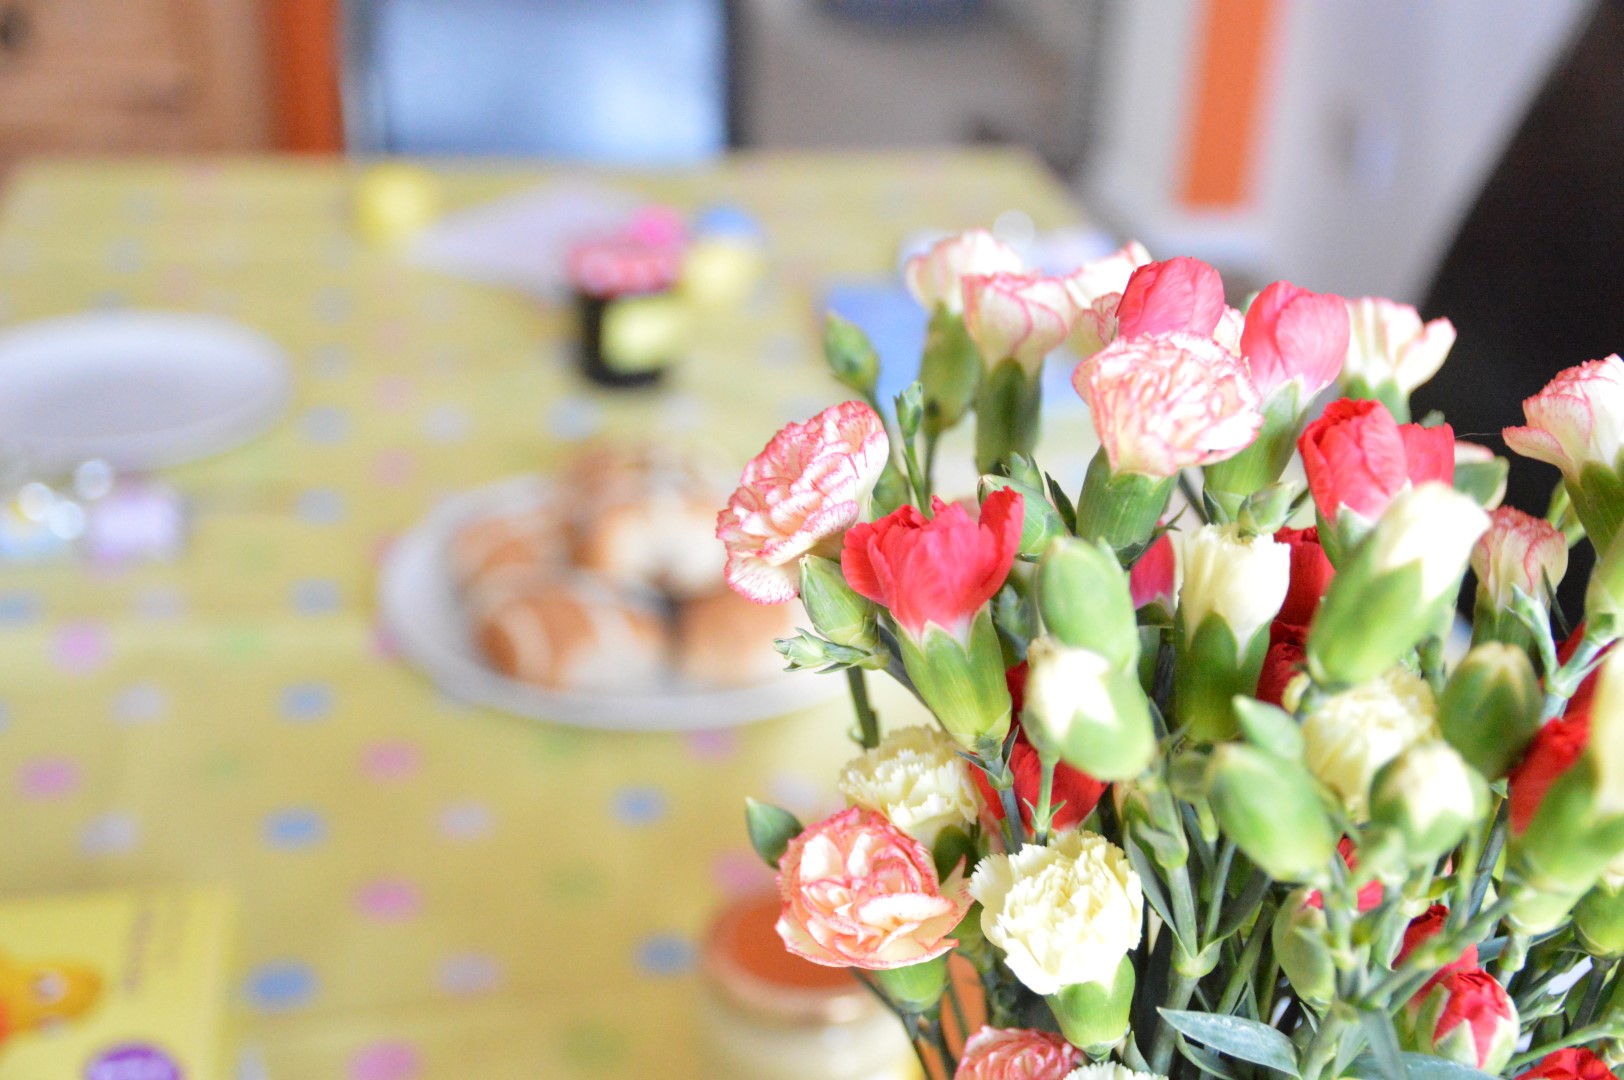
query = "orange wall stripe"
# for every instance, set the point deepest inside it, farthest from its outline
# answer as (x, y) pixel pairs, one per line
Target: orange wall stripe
(1228, 103)
(303, 62)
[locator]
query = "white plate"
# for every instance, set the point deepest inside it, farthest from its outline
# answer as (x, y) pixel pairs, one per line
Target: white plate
(138, 389)
(421, 611)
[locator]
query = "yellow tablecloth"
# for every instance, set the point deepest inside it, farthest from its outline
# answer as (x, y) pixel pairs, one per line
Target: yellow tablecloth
(428, 891)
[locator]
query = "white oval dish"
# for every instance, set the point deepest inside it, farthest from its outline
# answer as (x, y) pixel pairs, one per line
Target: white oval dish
(424, 617)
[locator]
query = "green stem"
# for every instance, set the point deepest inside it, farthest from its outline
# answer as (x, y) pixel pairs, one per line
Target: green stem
(1043, 814)
(1246, 965)
(1178, 996)
(868, 724)
(1216, 886)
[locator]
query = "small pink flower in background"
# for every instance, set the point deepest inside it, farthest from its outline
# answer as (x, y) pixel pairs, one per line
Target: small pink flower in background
(798, 496)
(1577, 420)
(935, 570)
(1019, 316)
(1162, 403)
(1096, 288)
(1152, 579)
(1357, 456)
(936, 276)
(1016, 1054)
(1293, 334)
(1389, 343)
(1519, 551)
(1178, 294)
(859, 892)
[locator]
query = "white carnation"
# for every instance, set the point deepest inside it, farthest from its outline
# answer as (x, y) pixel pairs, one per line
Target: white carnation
(1110, 1070)
(1431, 525)
(1434, 783)
(1063, 914)
(1389, 343)
(1351, 735)
(917, 779)
(1063, 681)
(1243, 579)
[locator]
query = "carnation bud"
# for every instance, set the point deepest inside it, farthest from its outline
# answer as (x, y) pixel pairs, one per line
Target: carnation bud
(1041, 523)
(1577, 424)
(1094, 1016)
(1349, 736)
(1300, 947)
(1271, 808)
(1086, 602)
(1598, 919)
(1467, 1018)
(1094, 714)
(1604, 597)
(1397, 587)
(1423, 802)
(1233, 587)
(1490, 708)
(949, 372)
(837, 612)
(850, 355)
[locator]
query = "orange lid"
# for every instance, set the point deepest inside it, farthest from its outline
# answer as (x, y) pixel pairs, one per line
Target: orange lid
(746, 961)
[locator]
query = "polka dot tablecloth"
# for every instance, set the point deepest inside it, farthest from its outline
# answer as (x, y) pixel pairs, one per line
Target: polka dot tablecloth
(428, 890)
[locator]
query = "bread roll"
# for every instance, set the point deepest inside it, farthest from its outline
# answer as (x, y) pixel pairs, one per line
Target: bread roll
(573, 634)
(725, 640)
(527, 545)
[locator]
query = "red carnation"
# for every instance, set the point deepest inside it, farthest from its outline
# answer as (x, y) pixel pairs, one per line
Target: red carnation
(935, 570)
(1425, 927)
(1151, 579)
(1574, 1063)
(1356, 455)
(1291, 333)
(1311, 574)
(1368, 898)
(1177, 294)
(1079, 791)
(1282, 663)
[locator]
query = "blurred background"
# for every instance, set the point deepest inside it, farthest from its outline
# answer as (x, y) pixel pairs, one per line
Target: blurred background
(195, 685)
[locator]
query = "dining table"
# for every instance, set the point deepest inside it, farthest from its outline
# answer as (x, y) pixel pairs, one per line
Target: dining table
(426, 889)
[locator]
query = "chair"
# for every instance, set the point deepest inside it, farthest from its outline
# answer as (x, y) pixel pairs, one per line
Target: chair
(619, 82)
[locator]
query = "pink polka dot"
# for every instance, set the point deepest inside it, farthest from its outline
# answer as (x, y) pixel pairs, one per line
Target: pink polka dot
(388, 761)
(394, 468)
(48, 778)
(394, 336)
(389, 900)
(738, 873)
(384, 645)
(716, 745)
(385, 1061)
(81, 648)
(393, 393)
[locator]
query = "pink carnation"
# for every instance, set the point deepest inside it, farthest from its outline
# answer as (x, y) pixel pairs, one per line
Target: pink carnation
(1096, 288)
(936, 276)
(1181, 294)
(1577, 420)
(860, 892)
(1016, 1054)
(1019, 316)
(1357, 456)
(1293, 334)
(1162, 403)
(799, 496)
(1520, 551)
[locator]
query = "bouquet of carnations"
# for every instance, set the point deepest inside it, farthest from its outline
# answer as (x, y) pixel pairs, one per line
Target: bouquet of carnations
(1206, 794)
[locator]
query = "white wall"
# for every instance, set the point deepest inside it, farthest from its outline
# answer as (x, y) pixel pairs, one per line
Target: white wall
(1386, 116)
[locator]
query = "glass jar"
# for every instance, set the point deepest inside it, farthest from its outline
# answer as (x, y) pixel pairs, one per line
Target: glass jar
(766, 1014)
(631, 322)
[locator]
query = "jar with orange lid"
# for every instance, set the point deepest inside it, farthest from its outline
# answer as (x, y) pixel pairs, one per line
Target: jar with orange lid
(766, 1014)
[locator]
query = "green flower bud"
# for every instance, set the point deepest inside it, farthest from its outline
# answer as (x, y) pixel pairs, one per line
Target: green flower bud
(1598, 920)
(1423, 802)
(1085, 601)
(1092, 1016)
(1042, 521)
(1490, 708)
(1299, 942)
(1271, 808)
(949, 370)
(850, 355)
(1009, 405)
(1094, 714)
(837, 612)
(916, 988)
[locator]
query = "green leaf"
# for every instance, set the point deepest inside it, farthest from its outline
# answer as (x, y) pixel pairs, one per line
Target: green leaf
(1383, 1041)
(1208, 1062)
(1269, 728)
(1244, 1040)
(1418, 1066)
(771, 829)
(954, 847)
(1151, 885)
(1062, 503)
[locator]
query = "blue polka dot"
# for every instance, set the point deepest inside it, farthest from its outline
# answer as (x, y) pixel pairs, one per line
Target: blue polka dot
(317, 596)
(307, 701)
(330, 361)
(639, 805)
(19, 607)
(664, 954)
(281, 985)
(321, 506)
(326, 424)
(332, 305)
(574, 419)
(294, 829)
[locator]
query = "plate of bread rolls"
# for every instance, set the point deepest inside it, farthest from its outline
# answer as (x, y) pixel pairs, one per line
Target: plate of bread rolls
(593, 597)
